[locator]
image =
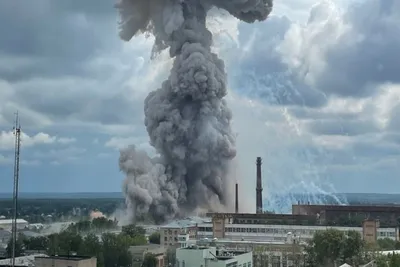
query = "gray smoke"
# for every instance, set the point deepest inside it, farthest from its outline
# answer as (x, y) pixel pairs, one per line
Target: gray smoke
(187, 119)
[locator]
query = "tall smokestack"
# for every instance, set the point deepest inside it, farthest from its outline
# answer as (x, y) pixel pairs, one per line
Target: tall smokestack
(259, 205)
(236, 198)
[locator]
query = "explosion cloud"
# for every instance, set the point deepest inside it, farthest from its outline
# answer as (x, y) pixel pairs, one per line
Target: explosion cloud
(187, 119)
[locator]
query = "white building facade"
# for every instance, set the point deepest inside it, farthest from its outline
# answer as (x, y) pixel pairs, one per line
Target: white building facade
(259, 232)
(195, 256)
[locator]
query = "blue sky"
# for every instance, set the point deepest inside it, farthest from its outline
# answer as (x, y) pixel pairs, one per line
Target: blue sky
(314, 90)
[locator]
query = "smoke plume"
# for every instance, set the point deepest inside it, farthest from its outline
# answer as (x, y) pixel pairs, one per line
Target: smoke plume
(187, 119)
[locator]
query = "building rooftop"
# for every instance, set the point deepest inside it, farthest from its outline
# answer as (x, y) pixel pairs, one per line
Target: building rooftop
(187, 222)
(381, 208)
(23, 261)
(65, 257)
(223, 255)
(261, 216)
(9, 221)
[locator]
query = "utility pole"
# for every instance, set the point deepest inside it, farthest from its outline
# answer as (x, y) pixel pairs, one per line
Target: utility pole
(17, 134)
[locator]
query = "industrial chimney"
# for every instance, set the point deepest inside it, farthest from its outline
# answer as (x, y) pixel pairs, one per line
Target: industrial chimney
(236, 198)
(259, 205)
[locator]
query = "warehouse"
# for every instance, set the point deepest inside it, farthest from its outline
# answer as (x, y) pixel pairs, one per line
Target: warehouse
(7, 224)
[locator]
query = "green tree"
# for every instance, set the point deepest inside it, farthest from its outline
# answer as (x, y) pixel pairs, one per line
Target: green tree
(53, 247)
(171, 256)
(352, 248)
(133, 230)
(36, 243)
(389, 260)
(154, 238)
(102, 223)
(18, 247)
(92, 246)
(149, 260)
(69, 242)
(115, 250)
(386, 244)
(332, 246)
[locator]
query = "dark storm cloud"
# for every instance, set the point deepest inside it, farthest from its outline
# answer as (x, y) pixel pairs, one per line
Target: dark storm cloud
(57, 36)
(79, 100)
(366, 55)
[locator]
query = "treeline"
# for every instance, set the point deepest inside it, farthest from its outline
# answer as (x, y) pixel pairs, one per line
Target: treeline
(97, 225)
(334, 248)
(48, 210)
(109, 248)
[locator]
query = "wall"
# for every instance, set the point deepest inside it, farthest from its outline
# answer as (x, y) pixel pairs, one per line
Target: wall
(169, 236)
(278, 232)
(63, 262)
(193, 257)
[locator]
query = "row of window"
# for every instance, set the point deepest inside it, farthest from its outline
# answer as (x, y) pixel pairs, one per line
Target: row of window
(278, 231)
(387, 234)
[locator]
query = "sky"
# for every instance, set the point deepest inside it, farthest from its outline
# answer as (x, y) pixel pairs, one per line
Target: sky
(314, 91)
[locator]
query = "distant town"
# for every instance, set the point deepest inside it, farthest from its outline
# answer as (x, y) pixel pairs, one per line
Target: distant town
(88, 230)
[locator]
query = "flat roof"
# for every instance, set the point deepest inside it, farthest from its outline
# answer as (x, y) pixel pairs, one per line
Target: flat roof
(66, 257)
(185, 223)
(9, 221)
(383, 208)
(261, 216)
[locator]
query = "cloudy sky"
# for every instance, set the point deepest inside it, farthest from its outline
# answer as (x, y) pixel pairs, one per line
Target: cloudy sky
(315, 91)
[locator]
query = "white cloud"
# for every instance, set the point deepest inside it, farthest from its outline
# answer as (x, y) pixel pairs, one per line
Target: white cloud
(7, 140)
(316, 94)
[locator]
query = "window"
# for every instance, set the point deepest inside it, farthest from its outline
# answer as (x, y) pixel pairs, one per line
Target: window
(183, 263)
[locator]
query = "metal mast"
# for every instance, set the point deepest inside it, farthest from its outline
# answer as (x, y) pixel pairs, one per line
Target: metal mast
(17, 134)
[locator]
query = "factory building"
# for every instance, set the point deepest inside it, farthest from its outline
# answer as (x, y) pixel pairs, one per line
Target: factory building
(204, 254)
(340, 214)
(266, 227)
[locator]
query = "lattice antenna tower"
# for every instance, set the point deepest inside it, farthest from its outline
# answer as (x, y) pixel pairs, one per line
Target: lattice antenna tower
(17, 134)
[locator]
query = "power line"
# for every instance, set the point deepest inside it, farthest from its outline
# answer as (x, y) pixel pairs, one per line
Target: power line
(17, 134)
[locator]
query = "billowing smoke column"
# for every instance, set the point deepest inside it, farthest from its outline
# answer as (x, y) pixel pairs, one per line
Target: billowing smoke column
(187, 119)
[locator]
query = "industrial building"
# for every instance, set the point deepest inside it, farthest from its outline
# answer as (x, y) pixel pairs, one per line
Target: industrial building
(203, 254)
(350, 214)
(304, 221)
(227, 226)
(6, 224)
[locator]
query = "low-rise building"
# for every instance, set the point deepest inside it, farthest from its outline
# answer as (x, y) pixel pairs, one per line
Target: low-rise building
(28, 261)
(65, 261)
(239, 227)
(212, 257)
(6, 224)
(265, 253)
(169, 233)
